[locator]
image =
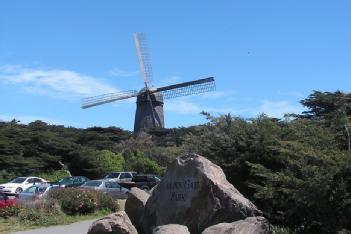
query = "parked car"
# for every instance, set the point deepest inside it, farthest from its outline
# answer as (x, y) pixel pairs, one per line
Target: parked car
(34, 192)
(5, 201)
(122, 176)
(107, 186)
(19, 184)
(72, 181)
(142, 181)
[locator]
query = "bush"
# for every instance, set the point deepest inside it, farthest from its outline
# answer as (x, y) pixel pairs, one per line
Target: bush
(10, 211)
(105, 202)
(77, 201)
(53, 176)
(110, 161)
(37, 213)
(139, 162)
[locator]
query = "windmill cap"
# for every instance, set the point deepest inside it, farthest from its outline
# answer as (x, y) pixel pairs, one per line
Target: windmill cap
(158, 98)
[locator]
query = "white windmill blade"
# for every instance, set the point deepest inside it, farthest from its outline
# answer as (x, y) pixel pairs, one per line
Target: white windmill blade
(106, 98)
(144, 58)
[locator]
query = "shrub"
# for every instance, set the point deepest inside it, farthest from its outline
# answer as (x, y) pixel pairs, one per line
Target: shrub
(36, 213)
(105, 202)
(53, 176)
(138, 161)
(110, 161)
(78, 201)
(40, 213)
(10, 211)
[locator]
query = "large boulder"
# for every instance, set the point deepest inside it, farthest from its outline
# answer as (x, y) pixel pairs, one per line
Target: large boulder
(195, 192)
(116, 223)
(251, 225)
(135, 205)
(171, 229)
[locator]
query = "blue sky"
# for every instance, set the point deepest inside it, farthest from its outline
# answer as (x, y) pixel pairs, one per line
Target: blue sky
(264, 55)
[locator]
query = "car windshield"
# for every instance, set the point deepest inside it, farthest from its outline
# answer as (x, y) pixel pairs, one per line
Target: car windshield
(42, 189)
(92, 184)
(18, 180)
(32, 189)
(35, 189)
(66, 180)
(112, 175)
(157, 179)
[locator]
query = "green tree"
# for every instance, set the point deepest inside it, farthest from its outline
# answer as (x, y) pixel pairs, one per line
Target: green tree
(137, 161)
(333, 110)
(110, 161)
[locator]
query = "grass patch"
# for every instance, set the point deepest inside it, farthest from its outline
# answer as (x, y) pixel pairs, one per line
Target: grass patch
(64, 206)
(13, 224)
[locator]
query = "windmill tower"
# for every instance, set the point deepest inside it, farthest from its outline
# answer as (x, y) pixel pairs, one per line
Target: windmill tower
(149, 113)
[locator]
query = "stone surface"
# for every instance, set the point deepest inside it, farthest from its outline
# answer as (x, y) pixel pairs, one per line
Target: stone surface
(135, 205)
(171, 229)
(116, 223)
(251, 225)
(195, 192)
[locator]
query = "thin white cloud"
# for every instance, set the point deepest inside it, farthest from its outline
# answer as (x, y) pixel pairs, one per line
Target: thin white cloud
(293, 94)
(277, 109)
(123, 73)
(181, 106)
(53, 82)
(271, 108)
(218, 94)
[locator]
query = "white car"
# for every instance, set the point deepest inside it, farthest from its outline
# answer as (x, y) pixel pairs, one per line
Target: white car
(19, 184)
(122, 176)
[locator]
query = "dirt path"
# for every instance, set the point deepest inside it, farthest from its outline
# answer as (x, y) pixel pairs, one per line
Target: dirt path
(74, 228)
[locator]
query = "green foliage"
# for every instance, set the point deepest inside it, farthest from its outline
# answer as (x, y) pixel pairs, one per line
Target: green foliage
(36, 148)
(83, 161)
(110, 161)
(78, 201)
(6, 175)
(40, 213)
(53, 176)
(332, 110)
(9, 211)
(137, 161)
(296, 170)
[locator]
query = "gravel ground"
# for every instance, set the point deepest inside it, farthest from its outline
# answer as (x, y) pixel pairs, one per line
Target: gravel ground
(74, 228)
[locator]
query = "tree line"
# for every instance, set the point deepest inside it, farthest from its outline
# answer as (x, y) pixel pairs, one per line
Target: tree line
(297, 170)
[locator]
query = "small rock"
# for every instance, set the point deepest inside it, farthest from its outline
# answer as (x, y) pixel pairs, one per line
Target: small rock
(195, 192)
(116, 223)
(135, 205)
(171, 229)
(251, 225)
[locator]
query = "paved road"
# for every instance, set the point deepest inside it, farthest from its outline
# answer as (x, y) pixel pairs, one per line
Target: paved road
(74, 228)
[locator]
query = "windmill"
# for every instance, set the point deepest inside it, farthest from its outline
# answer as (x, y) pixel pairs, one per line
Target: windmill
(149, 111)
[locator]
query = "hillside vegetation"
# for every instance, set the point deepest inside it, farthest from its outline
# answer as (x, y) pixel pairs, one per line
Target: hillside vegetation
(296, 170)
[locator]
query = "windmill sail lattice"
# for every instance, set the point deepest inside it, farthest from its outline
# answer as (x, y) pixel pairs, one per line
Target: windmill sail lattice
(187, 88)
(106, 98)
(144, 57)
(149, 113)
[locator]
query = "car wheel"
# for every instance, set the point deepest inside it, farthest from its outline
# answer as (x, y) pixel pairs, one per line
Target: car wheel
(145, 188)
(18, 190)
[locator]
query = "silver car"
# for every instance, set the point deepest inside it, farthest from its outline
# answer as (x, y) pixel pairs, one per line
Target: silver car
(35, 192)
(109, 187)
